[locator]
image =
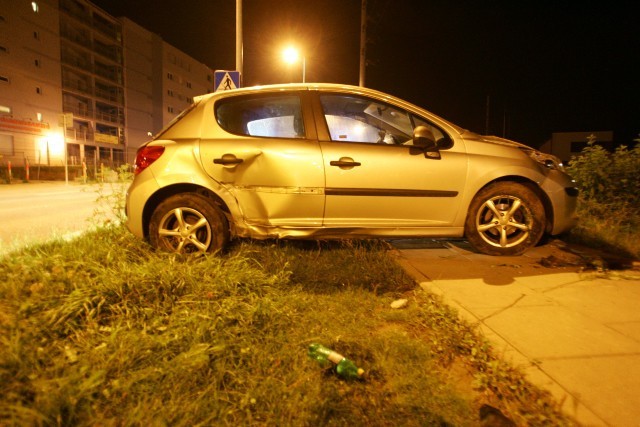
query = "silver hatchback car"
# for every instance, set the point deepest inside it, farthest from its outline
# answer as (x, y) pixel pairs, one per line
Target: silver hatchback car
(320, 161)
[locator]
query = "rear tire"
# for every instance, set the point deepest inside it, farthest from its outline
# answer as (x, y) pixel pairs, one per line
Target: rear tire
(188, 223)
(505, 218)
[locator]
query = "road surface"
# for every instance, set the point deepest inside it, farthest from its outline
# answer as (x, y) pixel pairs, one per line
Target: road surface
(36, 212)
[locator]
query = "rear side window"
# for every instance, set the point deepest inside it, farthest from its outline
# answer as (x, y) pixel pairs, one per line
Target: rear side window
(275, 116)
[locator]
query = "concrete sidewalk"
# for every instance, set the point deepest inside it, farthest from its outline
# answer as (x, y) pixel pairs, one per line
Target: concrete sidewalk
(573, 331)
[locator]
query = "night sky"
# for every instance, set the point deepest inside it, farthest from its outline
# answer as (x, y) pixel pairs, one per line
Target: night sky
(544, 66)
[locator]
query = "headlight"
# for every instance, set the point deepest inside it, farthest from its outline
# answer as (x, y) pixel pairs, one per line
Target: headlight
(548, 160)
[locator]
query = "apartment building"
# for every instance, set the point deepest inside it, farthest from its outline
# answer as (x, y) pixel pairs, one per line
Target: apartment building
(80, 86)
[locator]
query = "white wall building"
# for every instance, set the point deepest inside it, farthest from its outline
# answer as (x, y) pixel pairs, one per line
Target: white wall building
(565, 145)
(113, 82)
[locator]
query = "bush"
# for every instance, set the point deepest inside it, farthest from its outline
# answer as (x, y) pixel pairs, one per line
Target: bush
(608, 178)
(609, 202)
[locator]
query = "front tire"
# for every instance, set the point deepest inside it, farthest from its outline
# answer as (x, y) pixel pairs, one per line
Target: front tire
(188, 223)
(505, 218)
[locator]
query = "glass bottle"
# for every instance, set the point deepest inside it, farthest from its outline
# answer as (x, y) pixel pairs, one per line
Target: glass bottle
(343, 366)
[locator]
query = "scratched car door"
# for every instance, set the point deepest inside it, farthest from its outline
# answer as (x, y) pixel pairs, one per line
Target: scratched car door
(266, 154)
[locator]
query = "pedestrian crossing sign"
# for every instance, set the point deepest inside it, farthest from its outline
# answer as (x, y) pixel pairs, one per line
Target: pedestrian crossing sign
(226, 80)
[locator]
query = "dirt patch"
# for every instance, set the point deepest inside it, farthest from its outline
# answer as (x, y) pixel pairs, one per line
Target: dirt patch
(585, 258)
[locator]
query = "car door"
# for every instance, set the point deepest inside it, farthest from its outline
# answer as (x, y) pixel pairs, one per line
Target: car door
(375, 177)
(267, 155)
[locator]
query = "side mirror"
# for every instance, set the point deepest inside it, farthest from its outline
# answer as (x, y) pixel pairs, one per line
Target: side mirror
(423, 138)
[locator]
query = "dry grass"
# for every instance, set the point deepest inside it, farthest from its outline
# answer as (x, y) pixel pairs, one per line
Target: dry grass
(104, 331)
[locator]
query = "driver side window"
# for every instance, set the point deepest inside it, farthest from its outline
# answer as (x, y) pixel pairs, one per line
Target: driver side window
(358, 119)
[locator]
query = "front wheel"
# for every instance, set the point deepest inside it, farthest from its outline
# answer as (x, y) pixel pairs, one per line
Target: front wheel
(188, 223)
(505, 218)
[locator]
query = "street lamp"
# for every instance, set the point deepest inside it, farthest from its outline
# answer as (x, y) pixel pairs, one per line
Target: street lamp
(291, 55)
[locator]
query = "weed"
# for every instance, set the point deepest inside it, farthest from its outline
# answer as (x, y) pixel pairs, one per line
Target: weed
(102, 330)
(609, 202)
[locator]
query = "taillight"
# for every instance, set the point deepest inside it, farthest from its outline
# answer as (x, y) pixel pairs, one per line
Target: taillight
(147, 155)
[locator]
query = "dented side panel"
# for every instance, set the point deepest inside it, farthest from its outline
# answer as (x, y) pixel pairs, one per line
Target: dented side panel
(276, 181)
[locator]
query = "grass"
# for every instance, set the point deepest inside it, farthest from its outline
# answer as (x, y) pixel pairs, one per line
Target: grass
(104, 331)
(613, 228)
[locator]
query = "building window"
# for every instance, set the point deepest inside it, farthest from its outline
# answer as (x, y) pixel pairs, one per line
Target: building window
(170, 109)
(38, 90)
(4, 79)
(5, 110)
(169, 92)
(170, 76)
(36, 35)
(3, 49)
(37, 63)
(35, 7)
(39, 116)
(189, 85)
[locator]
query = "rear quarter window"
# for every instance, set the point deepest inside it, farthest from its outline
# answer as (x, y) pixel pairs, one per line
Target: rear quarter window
(270, 116)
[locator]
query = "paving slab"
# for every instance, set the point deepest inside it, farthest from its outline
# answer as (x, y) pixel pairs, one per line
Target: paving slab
(573, 328)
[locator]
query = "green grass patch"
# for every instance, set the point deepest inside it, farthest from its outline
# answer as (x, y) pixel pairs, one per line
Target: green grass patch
(104, 331)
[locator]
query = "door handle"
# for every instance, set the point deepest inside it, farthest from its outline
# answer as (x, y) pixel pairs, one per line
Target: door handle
(345, 162)
(228, 159)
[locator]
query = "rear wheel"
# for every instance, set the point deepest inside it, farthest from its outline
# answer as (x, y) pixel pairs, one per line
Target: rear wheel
(505, 218)
(188, 223)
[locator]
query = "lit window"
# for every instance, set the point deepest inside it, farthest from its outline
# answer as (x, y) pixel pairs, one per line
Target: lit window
(5, 110)
(39, 116)
(35, 7)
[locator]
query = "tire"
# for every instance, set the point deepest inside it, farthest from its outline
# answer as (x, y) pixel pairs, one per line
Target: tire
(505, 218)
(188, 223)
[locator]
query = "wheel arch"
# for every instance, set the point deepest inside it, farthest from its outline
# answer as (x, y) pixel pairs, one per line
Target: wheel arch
(171, 190)
(544, 198)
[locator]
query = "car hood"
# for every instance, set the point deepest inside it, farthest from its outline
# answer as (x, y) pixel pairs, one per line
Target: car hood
(472, 136)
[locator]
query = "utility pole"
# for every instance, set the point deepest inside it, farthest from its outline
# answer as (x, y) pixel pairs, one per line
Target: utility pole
(239, 38)
(487, 113)
(363, 41)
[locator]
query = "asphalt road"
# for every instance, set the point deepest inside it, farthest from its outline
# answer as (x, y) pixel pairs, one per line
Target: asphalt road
(36, 212)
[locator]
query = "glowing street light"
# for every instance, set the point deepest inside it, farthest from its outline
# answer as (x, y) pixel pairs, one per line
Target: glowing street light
(291, 56)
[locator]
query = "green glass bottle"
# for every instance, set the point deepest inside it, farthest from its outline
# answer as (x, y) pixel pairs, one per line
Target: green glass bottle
(325, 356)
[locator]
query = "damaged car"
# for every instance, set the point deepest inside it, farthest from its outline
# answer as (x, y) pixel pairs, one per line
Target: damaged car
(324, 161)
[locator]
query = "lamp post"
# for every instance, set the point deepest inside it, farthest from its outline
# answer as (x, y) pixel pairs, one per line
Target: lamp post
(291, 56)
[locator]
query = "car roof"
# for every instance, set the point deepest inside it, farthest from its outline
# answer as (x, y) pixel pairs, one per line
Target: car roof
(357, 90)
(291, 86)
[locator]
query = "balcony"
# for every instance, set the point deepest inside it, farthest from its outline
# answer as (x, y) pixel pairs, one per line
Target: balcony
(113, 74)
(80, 38)
(77, 61)
(75, 9)
(77, 109)
(76, 85)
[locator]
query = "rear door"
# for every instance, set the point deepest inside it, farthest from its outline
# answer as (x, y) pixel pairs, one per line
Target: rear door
(267, 155)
